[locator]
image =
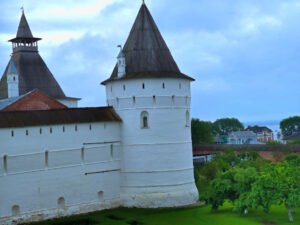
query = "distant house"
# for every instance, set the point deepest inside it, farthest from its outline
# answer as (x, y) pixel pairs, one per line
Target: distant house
(264, 134)
(242, 137)
(220, 139)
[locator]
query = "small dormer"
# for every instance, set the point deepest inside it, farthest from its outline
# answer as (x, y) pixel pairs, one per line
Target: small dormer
(12, 80)
(121, 63)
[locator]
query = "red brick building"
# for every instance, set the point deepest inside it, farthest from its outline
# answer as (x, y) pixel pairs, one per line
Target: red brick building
(264, 134)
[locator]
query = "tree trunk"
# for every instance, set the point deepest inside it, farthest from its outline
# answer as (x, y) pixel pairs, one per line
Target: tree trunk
(246, 211)
(290, 213)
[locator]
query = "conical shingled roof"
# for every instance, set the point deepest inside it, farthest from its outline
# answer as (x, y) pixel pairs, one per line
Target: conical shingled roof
(33, 74)
(32, 70)
(146, 52)
(12, 68)
(24, 32)
(24, 29)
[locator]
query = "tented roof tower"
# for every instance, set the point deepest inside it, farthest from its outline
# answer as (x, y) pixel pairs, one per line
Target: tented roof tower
(146, 52)
(32, 70)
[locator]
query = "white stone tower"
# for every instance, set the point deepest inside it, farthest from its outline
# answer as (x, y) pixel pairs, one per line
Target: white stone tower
(12, 80)
(153, 100)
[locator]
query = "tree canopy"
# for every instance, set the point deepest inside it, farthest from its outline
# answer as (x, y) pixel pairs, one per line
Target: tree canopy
(249, 181)
(226, 125)
(202, 132)
(290, 126)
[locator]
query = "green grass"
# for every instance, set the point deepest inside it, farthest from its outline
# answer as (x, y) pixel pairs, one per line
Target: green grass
(196, 215)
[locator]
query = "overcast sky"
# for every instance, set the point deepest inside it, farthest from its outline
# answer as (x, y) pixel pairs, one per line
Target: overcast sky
(244, 55)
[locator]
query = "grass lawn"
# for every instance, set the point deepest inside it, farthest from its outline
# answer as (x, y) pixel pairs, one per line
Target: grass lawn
(196, 215)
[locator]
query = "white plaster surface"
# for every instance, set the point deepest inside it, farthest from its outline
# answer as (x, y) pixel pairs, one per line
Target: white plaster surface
(156, 163)
(79, 165)
(129, 165)
(12, 85)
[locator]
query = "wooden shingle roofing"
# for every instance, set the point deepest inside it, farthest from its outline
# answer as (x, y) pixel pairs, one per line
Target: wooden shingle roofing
(15, 119)
(33, 74)
(146, 53)
(32, 70)
(24, 31)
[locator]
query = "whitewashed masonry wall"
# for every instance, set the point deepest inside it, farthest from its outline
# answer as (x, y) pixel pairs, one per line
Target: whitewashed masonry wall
(47, 172)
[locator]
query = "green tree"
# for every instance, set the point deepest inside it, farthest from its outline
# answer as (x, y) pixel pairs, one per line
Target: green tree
(233, 185)
(202, 132)
(274, 143)
(294, 142)
(243, 179)
(222, 189)
(226, 125)
(278, 184)
(290, 125)
(293, 157)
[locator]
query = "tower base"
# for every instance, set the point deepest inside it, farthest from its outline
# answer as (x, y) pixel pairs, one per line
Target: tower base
(160, 199)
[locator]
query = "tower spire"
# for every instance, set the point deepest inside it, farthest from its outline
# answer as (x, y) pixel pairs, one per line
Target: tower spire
(143, 2)
(146, 52)
(24, 39)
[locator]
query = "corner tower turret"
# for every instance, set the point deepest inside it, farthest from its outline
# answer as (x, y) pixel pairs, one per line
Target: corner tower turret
(153, 100)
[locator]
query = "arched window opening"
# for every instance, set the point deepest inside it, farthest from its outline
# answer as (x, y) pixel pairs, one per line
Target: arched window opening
(143, 86)
(61, 203)
(100, 195)
(154, 98)
(144, 120)
(163, 85)
(15, 210)
(5, 163)
(46, 159)
(14, 78)
(187, 117)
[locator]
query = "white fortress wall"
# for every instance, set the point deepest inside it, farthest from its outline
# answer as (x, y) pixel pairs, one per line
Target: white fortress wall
(60, 173)
(156, 162)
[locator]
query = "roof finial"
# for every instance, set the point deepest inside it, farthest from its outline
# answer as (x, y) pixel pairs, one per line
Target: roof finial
(119, 46)
(22, 8)
(143, 2)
